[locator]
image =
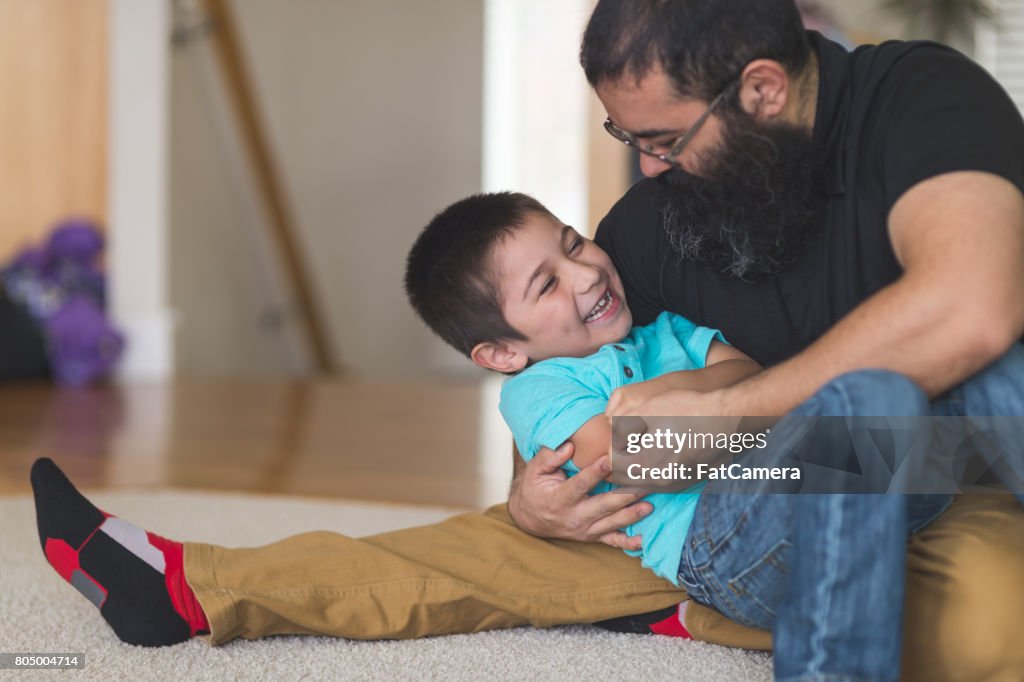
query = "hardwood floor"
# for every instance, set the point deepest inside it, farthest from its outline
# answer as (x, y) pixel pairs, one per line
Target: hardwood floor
(411, 442)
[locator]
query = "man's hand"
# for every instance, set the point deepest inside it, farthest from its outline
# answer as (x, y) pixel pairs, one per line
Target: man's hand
(546, 503)
(696, 392)
(675, 403)
(628, 399)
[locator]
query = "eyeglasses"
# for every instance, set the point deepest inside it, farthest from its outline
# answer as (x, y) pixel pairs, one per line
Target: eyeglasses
(676, 146)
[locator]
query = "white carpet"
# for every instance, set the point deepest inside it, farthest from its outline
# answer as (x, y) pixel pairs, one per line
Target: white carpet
(41, 613)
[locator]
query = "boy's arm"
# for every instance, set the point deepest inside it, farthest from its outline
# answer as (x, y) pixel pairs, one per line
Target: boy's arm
(724, 366)
(591, 441)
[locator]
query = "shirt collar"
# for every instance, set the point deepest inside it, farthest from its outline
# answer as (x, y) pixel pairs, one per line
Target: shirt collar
(832, 107)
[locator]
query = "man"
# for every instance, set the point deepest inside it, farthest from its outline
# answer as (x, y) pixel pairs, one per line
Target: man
(828, 212)
(478, 571)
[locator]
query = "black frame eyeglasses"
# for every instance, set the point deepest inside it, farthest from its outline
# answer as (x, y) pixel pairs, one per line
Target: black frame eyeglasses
(675, 148)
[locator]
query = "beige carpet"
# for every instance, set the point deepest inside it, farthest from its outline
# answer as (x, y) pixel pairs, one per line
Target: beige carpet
(41, 613)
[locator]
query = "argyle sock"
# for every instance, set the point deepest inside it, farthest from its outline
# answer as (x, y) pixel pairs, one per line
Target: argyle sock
(134, 577)
(668, 622)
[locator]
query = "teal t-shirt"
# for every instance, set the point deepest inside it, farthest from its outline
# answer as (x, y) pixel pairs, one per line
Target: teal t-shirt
(547, 403)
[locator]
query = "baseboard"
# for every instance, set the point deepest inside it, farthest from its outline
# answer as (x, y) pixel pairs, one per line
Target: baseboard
(149, 347)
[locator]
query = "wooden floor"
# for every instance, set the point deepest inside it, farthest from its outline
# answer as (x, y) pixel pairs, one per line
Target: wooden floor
(399, 442)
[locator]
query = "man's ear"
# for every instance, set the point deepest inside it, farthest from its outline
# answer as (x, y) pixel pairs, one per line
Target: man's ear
(764, 89)
(498, 356)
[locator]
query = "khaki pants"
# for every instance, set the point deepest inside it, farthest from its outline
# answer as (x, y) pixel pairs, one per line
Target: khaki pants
(965, 595)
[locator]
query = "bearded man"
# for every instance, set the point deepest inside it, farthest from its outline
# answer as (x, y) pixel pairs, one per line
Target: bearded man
(831, 213)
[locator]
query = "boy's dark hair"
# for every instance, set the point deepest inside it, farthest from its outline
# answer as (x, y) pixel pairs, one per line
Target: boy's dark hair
(702, 45)
(447, 276)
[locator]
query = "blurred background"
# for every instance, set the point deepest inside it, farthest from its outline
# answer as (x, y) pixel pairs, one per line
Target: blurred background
(256, 171)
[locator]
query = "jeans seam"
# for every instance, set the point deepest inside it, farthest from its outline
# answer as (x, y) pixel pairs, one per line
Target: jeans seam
(825, 591)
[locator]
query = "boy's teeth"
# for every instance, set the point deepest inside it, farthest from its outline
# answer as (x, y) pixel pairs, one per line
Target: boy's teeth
(601, 306)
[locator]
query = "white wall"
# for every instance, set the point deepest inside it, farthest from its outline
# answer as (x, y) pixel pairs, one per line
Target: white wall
(870, 21)
(866, 20)
(1000, 47)
(536, 104)
(137, 162)
(374, 114)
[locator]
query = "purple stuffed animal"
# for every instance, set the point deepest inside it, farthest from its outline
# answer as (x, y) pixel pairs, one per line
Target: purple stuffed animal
(61, 286)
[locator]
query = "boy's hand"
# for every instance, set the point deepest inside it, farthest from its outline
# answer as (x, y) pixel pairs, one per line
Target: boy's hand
(546, 503)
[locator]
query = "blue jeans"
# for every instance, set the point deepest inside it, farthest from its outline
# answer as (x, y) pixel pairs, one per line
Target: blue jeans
(826, 572)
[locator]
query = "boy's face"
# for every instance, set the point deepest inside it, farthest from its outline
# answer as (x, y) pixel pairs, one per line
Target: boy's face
(559, 290)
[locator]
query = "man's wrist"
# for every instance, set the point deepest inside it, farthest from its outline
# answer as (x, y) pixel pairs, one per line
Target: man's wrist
(747, 399)
(729, 401)
(513, 503)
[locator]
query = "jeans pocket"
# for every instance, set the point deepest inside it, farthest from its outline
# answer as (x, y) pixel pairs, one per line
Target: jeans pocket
(755, 593)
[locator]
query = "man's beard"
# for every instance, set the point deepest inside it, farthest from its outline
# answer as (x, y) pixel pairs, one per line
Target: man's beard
(753, 207)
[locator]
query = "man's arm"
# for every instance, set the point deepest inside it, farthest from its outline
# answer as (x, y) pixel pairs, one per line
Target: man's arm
(724, 366)
(958, 306)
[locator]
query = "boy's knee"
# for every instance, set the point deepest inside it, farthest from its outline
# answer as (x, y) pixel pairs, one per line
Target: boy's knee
(879, 392)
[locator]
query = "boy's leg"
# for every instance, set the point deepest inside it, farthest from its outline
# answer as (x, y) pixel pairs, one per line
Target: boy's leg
(469, 573)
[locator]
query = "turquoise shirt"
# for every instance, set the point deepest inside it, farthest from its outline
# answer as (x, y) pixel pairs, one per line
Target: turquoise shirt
(547, 403)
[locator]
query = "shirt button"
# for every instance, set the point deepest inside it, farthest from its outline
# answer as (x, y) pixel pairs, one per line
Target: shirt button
(618, 348)
(628, 372)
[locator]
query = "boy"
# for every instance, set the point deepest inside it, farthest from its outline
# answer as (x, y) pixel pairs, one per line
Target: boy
(503, 281)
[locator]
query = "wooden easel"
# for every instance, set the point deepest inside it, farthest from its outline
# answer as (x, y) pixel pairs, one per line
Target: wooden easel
(222, 30)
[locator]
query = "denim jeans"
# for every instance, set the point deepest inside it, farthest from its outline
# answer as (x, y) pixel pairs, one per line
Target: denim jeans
(825, 572)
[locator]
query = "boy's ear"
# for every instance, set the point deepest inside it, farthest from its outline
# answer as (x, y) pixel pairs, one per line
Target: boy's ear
(498, 356)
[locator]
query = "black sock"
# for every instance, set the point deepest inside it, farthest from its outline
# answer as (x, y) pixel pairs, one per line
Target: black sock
(135, 578)
(667, 621)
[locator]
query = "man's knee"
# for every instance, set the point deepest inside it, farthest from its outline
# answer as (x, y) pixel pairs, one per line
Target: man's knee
(998, 385)
(877, 392)
(964, 594)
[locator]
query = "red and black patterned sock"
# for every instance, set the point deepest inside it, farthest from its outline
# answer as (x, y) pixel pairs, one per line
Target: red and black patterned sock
(135, 578)
(668, 622)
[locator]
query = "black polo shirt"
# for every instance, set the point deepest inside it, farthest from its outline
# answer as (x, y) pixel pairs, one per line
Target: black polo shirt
(889, 116)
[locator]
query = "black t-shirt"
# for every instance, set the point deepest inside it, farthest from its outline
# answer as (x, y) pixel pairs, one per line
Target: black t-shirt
(889, 117)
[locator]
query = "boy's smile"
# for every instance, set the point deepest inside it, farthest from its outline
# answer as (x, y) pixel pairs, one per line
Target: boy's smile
(559, 290)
